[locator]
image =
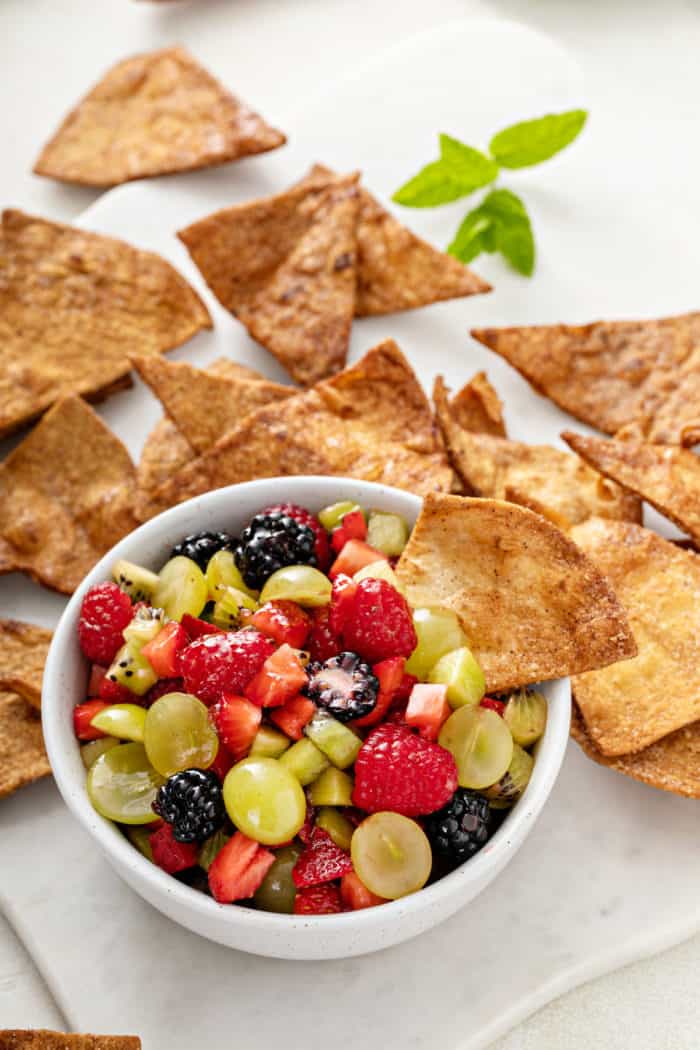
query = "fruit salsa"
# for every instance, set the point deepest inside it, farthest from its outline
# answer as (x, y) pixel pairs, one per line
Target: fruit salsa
(271, 723)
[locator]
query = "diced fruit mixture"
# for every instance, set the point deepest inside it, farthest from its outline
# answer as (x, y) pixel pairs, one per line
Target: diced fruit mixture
(270, 722)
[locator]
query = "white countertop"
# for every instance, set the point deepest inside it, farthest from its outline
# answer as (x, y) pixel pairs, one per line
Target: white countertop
(642, 55)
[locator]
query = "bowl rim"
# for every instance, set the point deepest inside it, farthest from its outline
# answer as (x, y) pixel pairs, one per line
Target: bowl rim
(117, 848)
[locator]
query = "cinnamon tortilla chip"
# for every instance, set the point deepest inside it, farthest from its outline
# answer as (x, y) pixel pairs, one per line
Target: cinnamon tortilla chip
(628, 707)
(672, 764)
(41, 1039)
(532, 605)
(72, 306)
(22, 755)
(556, 484)
(65, 497)
(478, 408)
(668, 477)
(153, 114)
(372, 421)
(23, 651)
(614, 373)
(285, 266)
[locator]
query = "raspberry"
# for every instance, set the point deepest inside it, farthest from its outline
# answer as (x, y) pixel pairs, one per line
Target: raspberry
(305, 517)
(322, 643)
(321, 861)
(105, 612)
(400, 771)
(318, 900)
(223, 663)
(380, 623)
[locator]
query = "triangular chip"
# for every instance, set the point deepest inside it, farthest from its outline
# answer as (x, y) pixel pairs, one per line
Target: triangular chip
(478, 408)
(672, 764)
(531, 603)
(565, 490)
(285, 266)
(629, 707)
(372, 421)
(666, 476)
(205, 406)
(396, 270)
(614, 373)
(41, 1039)
(153, 114)
(23, 651)
(72, 306)
(22, 755)
(65, 497)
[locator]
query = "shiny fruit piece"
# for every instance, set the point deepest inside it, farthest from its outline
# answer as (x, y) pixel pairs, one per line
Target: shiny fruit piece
(181, 588)
(223, 663)
(197, 628)
(162, 651)
(334, 739)
(337, 825)
(427, 709)
(83, 715)
(283, 621)
(438, 631)
(237, 721)
(353, 557)
(279, 679)
(122, 785)
(514, 781)
(321, 861)
(134, 580)
(229, 607)
(91, 751)
(302, 584)
(179, 735)
(132, 670)
(481, 745)
(380, 625)
(147, 623)
(293, 716)
(391, 854)
(390, 675)
(125, 721)
(269, 742)
(209, 849)
(304, 761)
(332, 516)
(525, 715)
(169, 854)
(379, 570)
(398, 770)
(277, 891)
(318, 900)
(265, 800)
(355, 894)
(332, 788)
(460, 672)
(387, 532)
(139, 835)
(223, 572)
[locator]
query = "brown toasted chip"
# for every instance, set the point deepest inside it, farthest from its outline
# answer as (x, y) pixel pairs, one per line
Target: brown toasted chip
(478, 408)
(153, 114)
(65, 497)
(23, 649)
(72, 306)
(531, 603)
(672, 764)
(614, 373)
(632, 705)
(285, 266)
(552, 482)
(372, 421)
(666, 476)
(41, 1039)
(22, 755)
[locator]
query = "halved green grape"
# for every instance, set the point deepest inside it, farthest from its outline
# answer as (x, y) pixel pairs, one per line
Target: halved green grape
(337, 825)
(338, 742)
(222, 571)
(277, 891)
(304, 761)
(460, 672)
(178, 734)
(139, 835)
(134, 580)
(210, 848)
(145, 626)
(526, 716)
(480, 743)
(264, 800)
(438, 631)
(131, 669)
(297, 583)
(181, 588)
(391, 854)
(332, 516)
(379, 570)
(227, 607)
(91, 751)
(332, 788)
(125, 721)
(122, 785)
(514, 781)
(387, 533)
(269, 742)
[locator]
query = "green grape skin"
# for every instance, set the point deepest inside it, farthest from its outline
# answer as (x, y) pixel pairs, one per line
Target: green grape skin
(297, 583)
(391, 855)
(124, 721)
(438, 631)
(182, 588)
(223, 572)
(337, 825)
(277, 891)
(332, 516)
(91, 751)
(481, 745)
(460, 672)
(179, 735)
(379, 570)
(264, 800)
(122, 785)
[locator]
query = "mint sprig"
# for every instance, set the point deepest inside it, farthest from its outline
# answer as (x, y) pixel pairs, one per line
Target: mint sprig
(500, 223)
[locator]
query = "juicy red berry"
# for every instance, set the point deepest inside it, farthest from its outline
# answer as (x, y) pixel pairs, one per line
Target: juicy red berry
(322, 642)
(223, 663)
(494, 705)
(104, 614)
(170, 855)
(405, 687)
(398, 770)
(318, 900)
(306, 830)
(163, 686)
(195, 627)
(321, 861)
(305, 517)
(283, 621)
(342, 596)
(222, 763)
(83, 715)
(380, 624)
(116, 693)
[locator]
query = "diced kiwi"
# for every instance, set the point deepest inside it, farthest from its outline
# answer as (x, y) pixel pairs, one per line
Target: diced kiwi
(514, 781)
(210, 848)
(460, 672)
(335, 740)
(269, 742)
(526, 716)
(222, 571)
(336, 824)
(134, 580)
(304, 761)
(131, 669)
(332, 788)
(146, 624)
(227, 608)
(387, 533)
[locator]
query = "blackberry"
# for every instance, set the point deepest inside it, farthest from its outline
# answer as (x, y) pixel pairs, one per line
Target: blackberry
(270, 542)
(344, 686)
(192, 802)
(201, 546)
(462, 827)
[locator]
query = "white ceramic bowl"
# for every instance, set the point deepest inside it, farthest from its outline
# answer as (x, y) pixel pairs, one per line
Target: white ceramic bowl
(265, 933)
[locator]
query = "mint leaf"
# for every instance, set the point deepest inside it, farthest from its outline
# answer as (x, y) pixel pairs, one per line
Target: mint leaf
(533, 141)
(459, 171)
(499, 224)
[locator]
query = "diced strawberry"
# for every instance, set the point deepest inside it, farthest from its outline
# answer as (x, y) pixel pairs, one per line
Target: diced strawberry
(353, 557)
(390, 674)
(222, 763)
(405, 687)
(83, 715)
(238, 869)
(161, 652)
(279, 679)
(306, 830)
(318, 900)
(378, 712)
(284, 621)
(97, 674)
(321, 861)
(339, 538)
(427, 709)
(494, 705)
(294, 715)
(355, 894)
(237, 720)
(342, 596)
(169, 854)
(195, 627)
(115, 693)
(322, 642)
